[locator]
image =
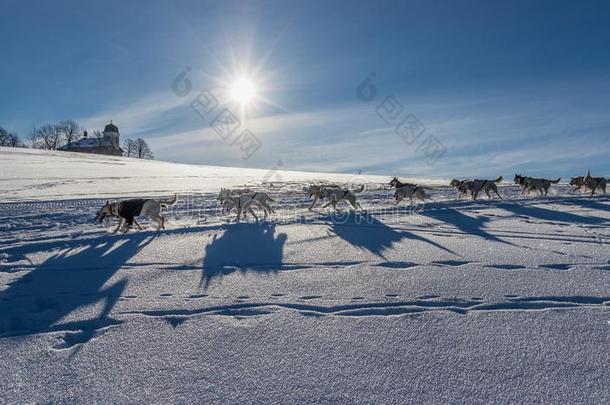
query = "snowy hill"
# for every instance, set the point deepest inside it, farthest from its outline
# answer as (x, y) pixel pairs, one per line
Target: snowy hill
(456, 301)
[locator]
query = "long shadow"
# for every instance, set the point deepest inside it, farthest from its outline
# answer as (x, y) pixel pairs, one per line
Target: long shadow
(585, 202)
(546, 214)
(465, 223)
(72, 278)
(366, 232)
(243, 247)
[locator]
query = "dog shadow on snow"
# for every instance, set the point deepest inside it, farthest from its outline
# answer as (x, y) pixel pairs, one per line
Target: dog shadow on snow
(243, 247)
(77, 275)
(364, 231)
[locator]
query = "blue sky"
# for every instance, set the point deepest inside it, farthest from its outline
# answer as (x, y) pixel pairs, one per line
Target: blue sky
(503, 86)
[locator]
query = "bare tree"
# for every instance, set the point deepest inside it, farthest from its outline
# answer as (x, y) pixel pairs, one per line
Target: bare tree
(10, 139)
(70, 131)
(142, 150)
(129, 147)
(46, 137)
(99, 136)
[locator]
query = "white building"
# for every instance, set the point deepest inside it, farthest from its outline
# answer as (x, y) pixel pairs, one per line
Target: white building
(108, 144)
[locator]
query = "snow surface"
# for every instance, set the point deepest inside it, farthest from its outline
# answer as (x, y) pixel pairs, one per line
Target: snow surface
(458, 301)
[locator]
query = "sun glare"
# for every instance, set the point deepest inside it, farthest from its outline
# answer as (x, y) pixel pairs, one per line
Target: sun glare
(243, 90)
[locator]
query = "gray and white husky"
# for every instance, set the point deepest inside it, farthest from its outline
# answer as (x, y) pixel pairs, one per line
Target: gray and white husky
(334, 195)
(407, 190)
(594, 183)
(474, 187)
(315, 191)
(243, 200)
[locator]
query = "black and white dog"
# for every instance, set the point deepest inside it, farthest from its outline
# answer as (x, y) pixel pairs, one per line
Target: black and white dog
(532, 184)
(127, 211)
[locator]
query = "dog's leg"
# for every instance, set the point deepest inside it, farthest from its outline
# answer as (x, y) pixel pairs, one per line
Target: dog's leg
(266, 208)
(159, 220)
(138, 224)
(119, 225)
(315, 199)
(495, 189)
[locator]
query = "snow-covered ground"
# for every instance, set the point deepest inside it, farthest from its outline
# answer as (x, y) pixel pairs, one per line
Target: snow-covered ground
(461, 301)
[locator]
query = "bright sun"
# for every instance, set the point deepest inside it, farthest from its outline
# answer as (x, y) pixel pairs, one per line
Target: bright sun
(243, 90)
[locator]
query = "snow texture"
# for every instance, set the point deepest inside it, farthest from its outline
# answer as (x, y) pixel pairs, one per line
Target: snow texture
(491, 301)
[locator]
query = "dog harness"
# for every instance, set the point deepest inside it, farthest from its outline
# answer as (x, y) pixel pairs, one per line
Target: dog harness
(130, 209)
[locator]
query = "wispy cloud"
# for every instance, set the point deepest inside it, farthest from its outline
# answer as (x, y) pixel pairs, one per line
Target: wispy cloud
(486, 136)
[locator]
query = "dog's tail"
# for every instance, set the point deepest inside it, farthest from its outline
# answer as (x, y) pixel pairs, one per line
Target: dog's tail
(359, 191)
(556, 180)
(498, 180)
(169, 203)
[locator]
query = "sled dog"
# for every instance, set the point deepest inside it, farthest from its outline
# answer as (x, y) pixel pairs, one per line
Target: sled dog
(578, 182)
(474, 187)
(532, 184)
(242, 202)
(594, 183)
(315, 191)
(127, 211)
(409, 191)
(463, 186)
(334, 195)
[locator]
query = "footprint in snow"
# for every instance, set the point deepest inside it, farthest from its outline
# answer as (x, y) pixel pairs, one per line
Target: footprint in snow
(198, 296)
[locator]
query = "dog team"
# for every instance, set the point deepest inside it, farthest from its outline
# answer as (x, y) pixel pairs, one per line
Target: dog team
(243, 200)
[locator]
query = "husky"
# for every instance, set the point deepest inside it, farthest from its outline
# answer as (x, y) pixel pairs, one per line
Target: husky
(404, 190)
(127, 211)
(395, 183)
(315, 191)
(463, 186)
(578, 183)
(334, 195)
(476, 186)
(243, 201)
(410, 190)
(532, 184)
(594, 183)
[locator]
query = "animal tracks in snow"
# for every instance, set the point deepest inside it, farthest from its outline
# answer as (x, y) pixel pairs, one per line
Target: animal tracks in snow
(431, 303)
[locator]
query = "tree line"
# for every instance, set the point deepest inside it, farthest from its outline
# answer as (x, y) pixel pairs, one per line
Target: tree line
(66, 132)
